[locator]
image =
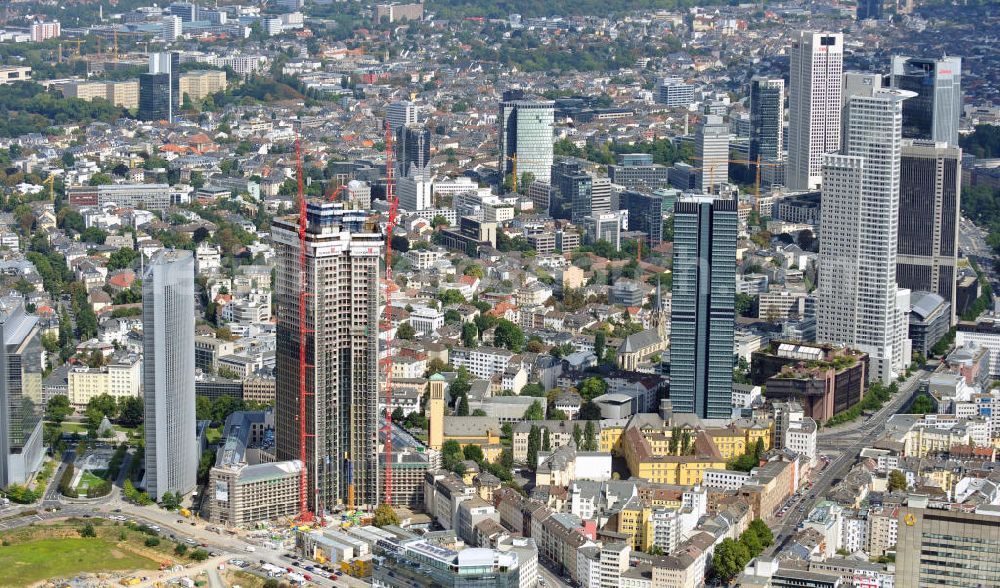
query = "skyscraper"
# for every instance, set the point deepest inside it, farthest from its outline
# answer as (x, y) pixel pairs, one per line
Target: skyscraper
(767, 115)
(341, 337)
(168, 373)
(859, 304)
(645, 213)
(413, 150)
(21, 366)
(574, 191)
(930, 177)
(711, 144)
(869, 10)
(814, 103)
(525, 134)
(702, 314)
(401, 113)
(159, 89)
(934, 113)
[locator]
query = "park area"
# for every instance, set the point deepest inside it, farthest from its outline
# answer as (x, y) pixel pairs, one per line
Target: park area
(67, 549)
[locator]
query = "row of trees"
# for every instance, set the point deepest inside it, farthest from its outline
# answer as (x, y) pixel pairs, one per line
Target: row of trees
(876, 396)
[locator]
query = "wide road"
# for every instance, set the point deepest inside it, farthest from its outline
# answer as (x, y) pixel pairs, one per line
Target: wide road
(848, 442)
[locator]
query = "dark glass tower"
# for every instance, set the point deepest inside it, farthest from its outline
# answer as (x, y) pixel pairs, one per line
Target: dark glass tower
(702, 315)
(413, 148)
(934, 113)
(645, 213)
(154, 96)
(767, 107)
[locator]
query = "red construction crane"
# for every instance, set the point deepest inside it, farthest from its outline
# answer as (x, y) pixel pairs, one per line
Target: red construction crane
(393, 202)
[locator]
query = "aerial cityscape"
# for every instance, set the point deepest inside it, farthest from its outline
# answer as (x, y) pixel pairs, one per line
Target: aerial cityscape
(467, 294)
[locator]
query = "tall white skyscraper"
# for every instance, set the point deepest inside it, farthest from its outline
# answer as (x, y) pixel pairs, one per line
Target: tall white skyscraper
(814, 103)
(859, 303)
(712, 147)
(168, 373)
(400, 114)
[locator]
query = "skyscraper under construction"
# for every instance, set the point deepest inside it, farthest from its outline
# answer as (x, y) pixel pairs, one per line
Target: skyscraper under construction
(339, 328)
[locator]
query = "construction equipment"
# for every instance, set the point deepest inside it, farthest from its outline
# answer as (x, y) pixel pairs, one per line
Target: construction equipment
(78, 43)
(305, 515)
(758, 164)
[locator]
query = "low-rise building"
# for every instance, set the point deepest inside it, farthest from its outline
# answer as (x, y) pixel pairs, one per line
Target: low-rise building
(121, 378)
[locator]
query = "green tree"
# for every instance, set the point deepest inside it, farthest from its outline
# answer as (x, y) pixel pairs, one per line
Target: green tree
(474, 453)
(121, 259)
(130, 411)
(744, 304)
(534, 389)
(451, 296)
(897, 481)
(170, 501)
(199, 555)
(577, 436)
(590, 437)
(508, 335)
(534, 412)
(923, 404)
(58, 408)
(180, 549)
(763, 532)
(88, 531)
(470, 335)
(405, 331)
(105, 404)
(385, 516)
(534, 444)
(593, 387)
(474, 270)
(152, 541)
(729, 559)
(600, 340)
(463, 406)
(546, 441)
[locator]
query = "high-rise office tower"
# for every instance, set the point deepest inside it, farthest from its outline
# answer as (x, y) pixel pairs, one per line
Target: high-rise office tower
(413, 150)
(172, 28)
(859, 304)
(159, 89)
(645, 213)
(168, 373)
(934, 113)
(401, 113)
(711, 143)
(341, 338)
(21, 367)
(767, 115)
(525, 135)
(574, 191)
(605, 227)
(600, 195)
(930, 178)
(702, 314)
(187, 11)
(946, 547)
(814, 103)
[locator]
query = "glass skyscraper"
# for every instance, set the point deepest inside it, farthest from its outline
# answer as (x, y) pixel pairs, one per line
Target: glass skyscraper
(168, 373)
(21, 368)
(645, 213)
(702, 314)
(934, 112)
(526, 131)
(767, 113)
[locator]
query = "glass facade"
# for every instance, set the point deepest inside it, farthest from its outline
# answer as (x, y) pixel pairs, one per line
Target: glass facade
(767, 108)
(934, 112)
(21, 406)
(526, 131)
(702, 316)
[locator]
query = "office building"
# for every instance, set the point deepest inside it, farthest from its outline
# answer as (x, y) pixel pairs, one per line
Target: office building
(395, 12)
(869, 10)
(172, 28)
(930, 178)
(413, 151)
(573, 198)
(814, 103)
(415, 191)
(197, 85)
(401, 113)
(21, 444)
(145, 196)
(446, 563)
(673, 92)
(645, 213)
(929, 321)
(159, 89)
(711, 144)
(187, 11)
(172, 450)
(341, 315)
(767, 116)
(600, 195)
(14, 73)
(639, 176)
(934, 112)
(859, 304)
(470, 235)
(702, 314)
(525, 136)
(947, 547)
(605, 227)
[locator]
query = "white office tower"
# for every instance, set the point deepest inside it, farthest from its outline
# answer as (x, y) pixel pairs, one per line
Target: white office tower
(415, 191)
(168, 373)
(814, 102)
(712, 146)
(401, 113)
(171, 28)
(859, 304)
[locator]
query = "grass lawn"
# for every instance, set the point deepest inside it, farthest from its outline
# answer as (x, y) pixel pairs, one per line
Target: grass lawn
(236, 577)
(213, 435)
(27, 563)
(87, 480)
(71, 428)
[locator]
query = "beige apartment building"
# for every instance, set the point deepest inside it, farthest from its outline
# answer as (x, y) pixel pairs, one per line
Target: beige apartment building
(198, 84)
(120, 379)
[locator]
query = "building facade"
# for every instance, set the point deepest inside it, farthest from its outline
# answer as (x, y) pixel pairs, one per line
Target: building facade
(712, 148)
(930, 178)
(859, 304)
(341, 346)
(525, 136)
(21, 367)
(702, 315)
(814, 104)
(934, 112)
(947, 548)
(168, 373)
(767, 117)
